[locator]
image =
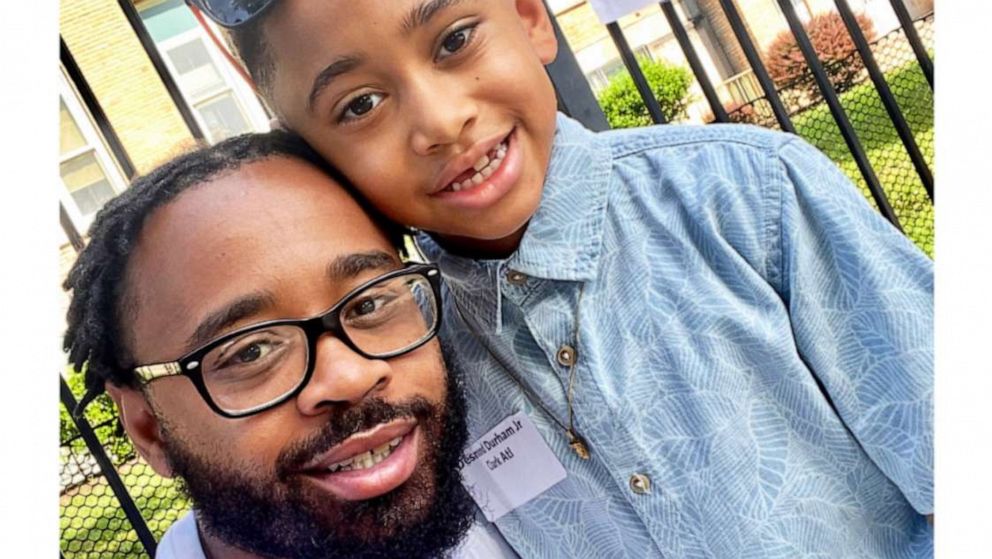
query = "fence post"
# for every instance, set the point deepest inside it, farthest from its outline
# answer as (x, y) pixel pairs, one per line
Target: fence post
(888, 100)
(108, 471)
(833, 102)
(719, 113)
(134, 18)
(96, 111)
(757, 66)
(914, 39)
(630, 61)
(575, 96)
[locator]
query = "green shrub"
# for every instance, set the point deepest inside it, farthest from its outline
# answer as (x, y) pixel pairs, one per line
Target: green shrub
(623, 105)
(99, 411)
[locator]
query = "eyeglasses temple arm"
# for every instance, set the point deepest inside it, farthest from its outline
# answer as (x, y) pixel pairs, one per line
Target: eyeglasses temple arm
(148, 373)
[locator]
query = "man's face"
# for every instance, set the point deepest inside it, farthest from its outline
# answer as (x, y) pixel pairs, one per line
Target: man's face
(278, 239)
(440, 112)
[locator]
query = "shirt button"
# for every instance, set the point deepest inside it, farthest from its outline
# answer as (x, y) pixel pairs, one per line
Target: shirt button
(566, 355)
(516, 278)
(640, 484)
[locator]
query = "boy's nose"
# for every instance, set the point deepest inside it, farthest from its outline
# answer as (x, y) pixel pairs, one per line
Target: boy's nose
(441, 117)
(341, 377)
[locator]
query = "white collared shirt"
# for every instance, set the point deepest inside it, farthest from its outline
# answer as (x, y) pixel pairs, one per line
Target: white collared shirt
(483, 541)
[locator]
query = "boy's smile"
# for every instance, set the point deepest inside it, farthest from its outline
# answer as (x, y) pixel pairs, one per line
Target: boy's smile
(439, 111)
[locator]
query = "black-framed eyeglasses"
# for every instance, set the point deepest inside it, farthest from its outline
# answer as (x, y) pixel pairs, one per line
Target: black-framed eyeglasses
(232, 13)
(261, 366)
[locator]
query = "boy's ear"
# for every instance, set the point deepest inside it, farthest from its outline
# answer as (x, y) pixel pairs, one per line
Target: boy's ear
(141, 425)
(534, 17)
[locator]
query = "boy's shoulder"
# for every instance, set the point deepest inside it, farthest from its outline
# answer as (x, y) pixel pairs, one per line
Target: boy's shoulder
(743, 139)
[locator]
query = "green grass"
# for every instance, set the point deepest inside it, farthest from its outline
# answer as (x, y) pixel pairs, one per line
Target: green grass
(884, 149)
(93, 525)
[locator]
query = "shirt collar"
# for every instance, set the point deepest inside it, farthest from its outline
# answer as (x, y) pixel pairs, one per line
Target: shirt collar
(564, 238)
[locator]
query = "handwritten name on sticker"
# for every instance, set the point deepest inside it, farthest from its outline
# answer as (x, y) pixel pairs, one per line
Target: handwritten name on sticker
(509, 466)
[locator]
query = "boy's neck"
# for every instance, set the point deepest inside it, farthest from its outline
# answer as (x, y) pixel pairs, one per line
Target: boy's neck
(481, 249)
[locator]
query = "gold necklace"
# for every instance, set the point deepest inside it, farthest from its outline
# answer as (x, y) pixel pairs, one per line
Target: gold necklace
(576, 441)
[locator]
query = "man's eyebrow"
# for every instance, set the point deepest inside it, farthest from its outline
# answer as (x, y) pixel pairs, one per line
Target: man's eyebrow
(422, 13)
(350, 265)
(231, 313)
(326, 76)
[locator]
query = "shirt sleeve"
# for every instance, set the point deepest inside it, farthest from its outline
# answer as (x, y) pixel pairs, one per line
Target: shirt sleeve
(860, 299)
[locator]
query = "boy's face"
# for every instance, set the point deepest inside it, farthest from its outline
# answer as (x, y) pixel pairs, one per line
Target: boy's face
(440, 111)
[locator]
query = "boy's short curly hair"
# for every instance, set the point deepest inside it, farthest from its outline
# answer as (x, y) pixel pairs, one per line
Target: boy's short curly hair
(97, 309)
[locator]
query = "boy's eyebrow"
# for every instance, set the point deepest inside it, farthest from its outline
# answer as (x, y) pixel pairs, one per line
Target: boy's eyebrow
(422, 13)
(326, 76)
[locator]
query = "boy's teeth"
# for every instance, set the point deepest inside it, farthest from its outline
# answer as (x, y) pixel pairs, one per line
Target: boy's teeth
(484, 168)
(366, 459)
(481, 163)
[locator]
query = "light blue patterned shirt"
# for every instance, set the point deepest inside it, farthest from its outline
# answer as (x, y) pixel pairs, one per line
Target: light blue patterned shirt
(753, 339)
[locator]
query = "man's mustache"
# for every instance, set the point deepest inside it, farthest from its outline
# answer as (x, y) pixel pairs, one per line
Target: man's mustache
(339, 427)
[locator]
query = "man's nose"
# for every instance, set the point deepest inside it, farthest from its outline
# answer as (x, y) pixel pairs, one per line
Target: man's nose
(341, 377)
(442, 113)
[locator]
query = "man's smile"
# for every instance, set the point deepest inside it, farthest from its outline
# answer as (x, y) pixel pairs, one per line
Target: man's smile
(369, 463)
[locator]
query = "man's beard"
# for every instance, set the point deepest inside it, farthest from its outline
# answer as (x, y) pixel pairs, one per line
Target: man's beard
(285, 516)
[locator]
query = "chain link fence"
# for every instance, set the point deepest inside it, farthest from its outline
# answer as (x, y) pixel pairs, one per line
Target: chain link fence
(93, 522)
(888, 156)
(96, 524)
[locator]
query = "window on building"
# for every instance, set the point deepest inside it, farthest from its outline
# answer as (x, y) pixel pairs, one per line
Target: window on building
(600, 77)
(89, 174)
(214, 101)
(222, 103)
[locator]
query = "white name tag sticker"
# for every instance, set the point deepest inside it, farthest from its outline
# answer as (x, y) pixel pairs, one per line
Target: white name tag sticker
(509, 466)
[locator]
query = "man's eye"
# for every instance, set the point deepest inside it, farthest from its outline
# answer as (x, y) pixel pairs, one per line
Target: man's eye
(367, 306)
(247, 354)
(455, 42)
(252, 352)
(361, 105)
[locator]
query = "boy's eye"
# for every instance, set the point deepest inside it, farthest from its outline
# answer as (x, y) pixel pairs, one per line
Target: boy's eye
(361, 105)
(455, 41)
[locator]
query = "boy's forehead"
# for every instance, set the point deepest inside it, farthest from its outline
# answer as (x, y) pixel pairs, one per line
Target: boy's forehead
(349, 25)
(409, 14)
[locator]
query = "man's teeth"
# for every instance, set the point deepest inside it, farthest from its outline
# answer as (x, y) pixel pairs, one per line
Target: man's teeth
(483, 168)
(366, 459)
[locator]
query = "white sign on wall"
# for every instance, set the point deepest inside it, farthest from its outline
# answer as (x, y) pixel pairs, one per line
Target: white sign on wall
(609, 11)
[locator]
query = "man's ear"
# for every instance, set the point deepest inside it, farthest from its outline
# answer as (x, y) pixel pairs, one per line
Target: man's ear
(534, 17)
(141, 425)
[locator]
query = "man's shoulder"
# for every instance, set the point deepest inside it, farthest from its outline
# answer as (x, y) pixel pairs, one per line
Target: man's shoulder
(181, 540)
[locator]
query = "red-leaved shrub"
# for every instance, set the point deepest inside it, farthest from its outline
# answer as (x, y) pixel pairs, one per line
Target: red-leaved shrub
(834, 47)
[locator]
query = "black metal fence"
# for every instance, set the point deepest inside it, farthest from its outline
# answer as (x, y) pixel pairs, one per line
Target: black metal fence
(879, 130)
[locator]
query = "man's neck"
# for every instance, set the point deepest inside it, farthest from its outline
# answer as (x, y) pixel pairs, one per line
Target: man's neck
(214, 548)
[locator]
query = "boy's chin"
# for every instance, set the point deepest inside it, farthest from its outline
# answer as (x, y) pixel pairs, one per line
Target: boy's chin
(484, 247)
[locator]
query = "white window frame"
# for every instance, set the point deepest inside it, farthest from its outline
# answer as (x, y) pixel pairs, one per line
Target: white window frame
(243, 95)
(94, 143)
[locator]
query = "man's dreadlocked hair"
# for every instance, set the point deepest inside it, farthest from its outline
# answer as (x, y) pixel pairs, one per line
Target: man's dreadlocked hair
(96, 312)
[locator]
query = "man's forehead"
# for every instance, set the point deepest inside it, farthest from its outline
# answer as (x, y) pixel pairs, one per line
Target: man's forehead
(271, 231)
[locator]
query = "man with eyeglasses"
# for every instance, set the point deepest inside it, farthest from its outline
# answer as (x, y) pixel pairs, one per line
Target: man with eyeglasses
(264, 343)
